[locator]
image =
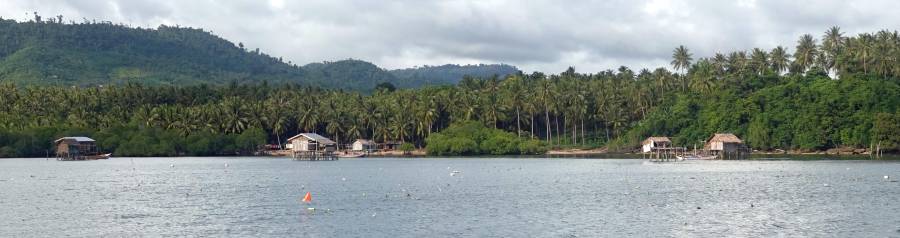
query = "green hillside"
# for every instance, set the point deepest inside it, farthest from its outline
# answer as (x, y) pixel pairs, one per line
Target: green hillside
(449, 74)
(89, 53)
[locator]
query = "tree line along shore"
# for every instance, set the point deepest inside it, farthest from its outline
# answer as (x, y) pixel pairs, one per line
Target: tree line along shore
(834, 92)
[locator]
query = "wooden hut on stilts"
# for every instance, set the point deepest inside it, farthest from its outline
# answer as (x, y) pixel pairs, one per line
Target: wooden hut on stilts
(312, 146)
(77, 148)
(726, 146)
(660, 149)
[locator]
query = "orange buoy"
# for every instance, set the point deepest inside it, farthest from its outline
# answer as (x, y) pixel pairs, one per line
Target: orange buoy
(307, 198)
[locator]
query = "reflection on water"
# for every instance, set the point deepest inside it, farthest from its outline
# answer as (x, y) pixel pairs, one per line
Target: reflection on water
(419, 197)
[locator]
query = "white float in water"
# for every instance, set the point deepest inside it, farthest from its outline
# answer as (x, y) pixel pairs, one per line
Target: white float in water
(826, 185)
(226, 165)
(172, 165)
(887, 177)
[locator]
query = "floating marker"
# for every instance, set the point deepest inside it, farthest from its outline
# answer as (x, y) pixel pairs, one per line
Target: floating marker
(172, 165)
(307, 198)
(226, 165)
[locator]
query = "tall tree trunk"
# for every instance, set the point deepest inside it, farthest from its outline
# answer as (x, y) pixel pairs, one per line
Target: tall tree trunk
(565, 119)
(582, 132)
(547, 116)
(556, 121)
(518, 126)
(278, 137)
(575, 133)
(532, 126)
(606, 127)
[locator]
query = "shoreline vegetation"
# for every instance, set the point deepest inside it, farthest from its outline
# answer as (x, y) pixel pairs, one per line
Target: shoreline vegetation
(555, 154)
(839, 94)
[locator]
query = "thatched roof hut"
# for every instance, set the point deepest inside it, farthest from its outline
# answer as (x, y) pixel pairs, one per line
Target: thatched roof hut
(723, 142)
(655, 142)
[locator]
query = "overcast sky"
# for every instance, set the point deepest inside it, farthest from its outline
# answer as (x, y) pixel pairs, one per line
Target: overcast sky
(533, 35)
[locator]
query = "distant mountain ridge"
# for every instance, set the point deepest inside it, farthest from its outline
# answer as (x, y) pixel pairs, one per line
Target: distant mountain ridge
(83, 54)
(450, 73)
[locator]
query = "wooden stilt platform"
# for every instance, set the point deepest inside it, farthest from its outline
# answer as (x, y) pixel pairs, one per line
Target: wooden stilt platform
(313, 155)
(668, 154)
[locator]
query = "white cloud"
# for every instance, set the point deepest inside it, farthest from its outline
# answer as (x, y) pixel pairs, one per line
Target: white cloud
(541, 35)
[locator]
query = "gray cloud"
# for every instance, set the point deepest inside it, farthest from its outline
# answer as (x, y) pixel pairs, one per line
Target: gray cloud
(541, 35)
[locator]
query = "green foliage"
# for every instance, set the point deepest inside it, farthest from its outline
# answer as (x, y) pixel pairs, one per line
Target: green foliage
(886, 131)
(772, 102)
(802, 112)
(407, 147)
(473, 138)
(250, 140)
(449, 74)
(91, 53)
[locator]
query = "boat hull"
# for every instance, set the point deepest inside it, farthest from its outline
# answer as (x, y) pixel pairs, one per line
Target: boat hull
(695, 157)
(351, 155)
(89, 157)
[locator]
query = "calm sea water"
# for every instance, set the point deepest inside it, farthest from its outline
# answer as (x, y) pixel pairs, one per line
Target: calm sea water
(259, 197)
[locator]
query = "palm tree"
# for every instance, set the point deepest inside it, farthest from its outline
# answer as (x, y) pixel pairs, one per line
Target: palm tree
(545, 96)
(720, 63)
(805, 55)
(514, 93)
(863, 48)
(681, 60)
(779, 59)
(703, 77)
(832, 45)
(760, 60)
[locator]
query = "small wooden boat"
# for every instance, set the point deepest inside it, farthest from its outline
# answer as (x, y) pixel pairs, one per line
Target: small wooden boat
(351, 155)
(102, 156)
(696, 157)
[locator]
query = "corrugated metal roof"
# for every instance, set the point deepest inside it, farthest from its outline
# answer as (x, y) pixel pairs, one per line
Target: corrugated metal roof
(76, 138)
(314, 137)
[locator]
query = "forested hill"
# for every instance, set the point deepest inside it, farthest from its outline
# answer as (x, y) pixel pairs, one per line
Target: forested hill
(841, 92)
(49, 52)
(449, 73)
